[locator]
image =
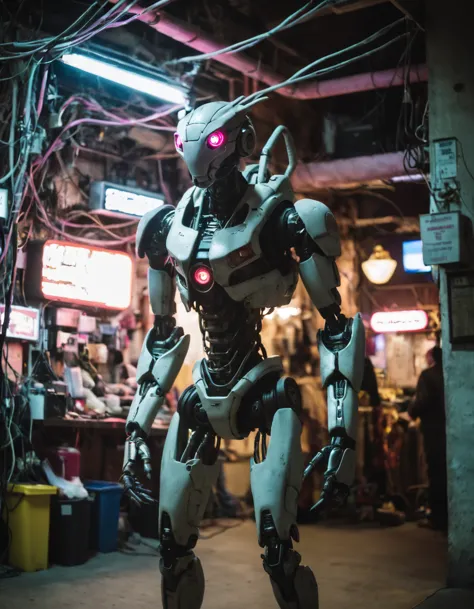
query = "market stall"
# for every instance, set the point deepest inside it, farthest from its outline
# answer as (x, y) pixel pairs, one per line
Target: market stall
(401, 312)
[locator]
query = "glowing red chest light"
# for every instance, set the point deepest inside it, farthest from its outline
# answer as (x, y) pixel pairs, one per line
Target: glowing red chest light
(202, 277)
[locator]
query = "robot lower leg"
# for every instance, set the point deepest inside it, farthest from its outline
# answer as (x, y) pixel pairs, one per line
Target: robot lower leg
(181, 571)
(294, 586)
(189, 470)
(276, 475)
(280, 561)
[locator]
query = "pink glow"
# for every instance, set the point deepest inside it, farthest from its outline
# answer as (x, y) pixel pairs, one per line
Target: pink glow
(216, 139)
(202, 276)
(178, 142)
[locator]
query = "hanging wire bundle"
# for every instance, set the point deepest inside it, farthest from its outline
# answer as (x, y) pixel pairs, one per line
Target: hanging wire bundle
(27, 158)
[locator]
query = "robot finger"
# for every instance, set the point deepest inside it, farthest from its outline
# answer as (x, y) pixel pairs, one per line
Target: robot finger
(321, 458)
(144, 493)
(315, 461)
(146, 499)
(134, 497)
(321, 506)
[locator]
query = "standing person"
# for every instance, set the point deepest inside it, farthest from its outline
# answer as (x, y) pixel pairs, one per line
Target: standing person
(369, 383)
(428, 405)
(375, 454)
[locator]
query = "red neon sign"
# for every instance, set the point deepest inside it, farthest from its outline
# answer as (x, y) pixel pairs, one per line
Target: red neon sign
(398, 321)
(86, 275)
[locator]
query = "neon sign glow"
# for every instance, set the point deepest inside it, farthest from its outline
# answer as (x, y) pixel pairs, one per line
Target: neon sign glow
(86, 275)
(399, 321)
(24, 323)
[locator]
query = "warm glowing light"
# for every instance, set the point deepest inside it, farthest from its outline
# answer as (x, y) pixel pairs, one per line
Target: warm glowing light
(284, 313)
(216, 139)
(129, 203)
(86, 275)
(24, 323)
(380, 267)
(399, 321)
(127, 78)
(203, 276)
(178, 142)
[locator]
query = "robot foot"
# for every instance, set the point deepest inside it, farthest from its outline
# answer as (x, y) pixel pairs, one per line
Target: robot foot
(303, 590)
(182, 587)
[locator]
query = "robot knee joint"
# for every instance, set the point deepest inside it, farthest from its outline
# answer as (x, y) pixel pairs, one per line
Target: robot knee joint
(280, 561)
(276, 549)
(171, 552)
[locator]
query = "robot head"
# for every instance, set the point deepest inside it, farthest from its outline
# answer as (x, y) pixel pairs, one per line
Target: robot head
(213, 137)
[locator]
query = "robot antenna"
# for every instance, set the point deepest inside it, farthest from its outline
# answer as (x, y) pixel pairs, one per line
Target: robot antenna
(267, 149)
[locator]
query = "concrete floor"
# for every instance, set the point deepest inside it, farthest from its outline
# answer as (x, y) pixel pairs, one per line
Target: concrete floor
(357, 567)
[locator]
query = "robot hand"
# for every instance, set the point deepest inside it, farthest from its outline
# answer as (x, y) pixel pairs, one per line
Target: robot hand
(137, 450)
(339, 461)
(158, 366)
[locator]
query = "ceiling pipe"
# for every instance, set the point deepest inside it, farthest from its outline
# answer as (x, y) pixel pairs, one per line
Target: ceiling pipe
(193, 37)
(309, 177)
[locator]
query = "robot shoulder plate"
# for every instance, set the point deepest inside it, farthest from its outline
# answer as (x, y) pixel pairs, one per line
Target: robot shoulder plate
(153, 227)
(321, 225)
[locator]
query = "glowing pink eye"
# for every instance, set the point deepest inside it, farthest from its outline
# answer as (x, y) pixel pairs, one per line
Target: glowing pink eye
(216, 139)
(178, 142)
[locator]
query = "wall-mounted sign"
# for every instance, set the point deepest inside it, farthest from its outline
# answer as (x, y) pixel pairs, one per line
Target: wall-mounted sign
(116, 200)
(84, 275)
(445, 162)
(441, 236)
(399, 321)
(24, 323)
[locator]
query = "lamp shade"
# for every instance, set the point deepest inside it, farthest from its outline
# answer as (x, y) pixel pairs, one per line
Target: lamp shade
(380, 267)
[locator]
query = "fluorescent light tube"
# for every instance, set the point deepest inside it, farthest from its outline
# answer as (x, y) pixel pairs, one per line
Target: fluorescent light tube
(144, 84)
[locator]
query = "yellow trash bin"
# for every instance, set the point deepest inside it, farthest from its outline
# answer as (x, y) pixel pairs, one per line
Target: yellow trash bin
(27, 514)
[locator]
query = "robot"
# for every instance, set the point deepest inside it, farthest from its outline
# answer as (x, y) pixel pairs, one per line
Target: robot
(234, 247)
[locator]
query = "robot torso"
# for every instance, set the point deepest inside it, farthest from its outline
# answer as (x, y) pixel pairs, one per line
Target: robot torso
(234, 255)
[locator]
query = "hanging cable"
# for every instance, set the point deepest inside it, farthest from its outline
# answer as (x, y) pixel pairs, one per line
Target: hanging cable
(294, 19)
(301, 74)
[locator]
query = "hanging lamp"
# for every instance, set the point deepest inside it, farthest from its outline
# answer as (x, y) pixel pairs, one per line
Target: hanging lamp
(380, 266)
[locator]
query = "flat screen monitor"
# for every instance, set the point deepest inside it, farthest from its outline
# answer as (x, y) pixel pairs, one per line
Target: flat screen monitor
(24, 323)
(413, 257)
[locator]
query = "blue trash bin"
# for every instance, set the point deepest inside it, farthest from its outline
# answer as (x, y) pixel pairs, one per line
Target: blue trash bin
(104, 515)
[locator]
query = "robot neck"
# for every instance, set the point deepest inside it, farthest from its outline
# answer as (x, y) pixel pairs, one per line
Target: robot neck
(225, 194)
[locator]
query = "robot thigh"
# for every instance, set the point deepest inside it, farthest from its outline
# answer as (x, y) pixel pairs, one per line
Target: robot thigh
(276, 481)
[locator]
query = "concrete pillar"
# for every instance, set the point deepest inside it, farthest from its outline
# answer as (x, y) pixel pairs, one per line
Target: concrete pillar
(450, 46)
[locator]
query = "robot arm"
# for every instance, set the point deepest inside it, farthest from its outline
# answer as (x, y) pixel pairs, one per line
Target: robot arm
(341, 344)
(163, 351)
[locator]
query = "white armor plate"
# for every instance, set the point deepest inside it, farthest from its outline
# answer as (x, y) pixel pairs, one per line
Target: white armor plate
(235, 246)
(222, 410)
